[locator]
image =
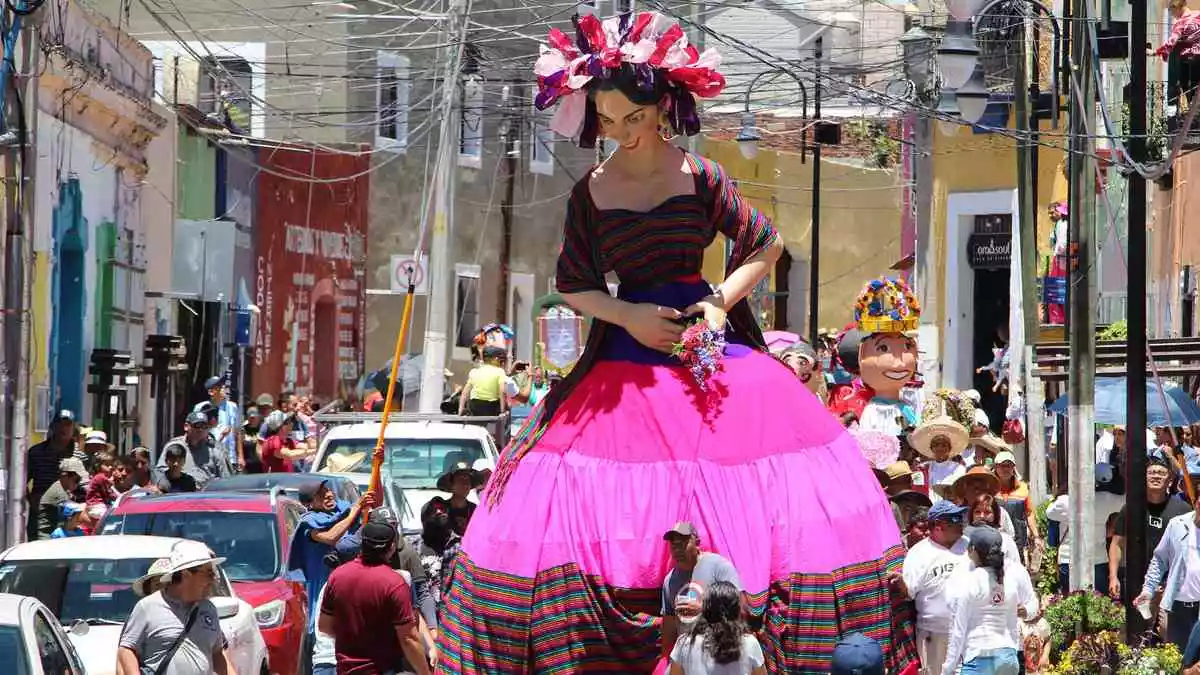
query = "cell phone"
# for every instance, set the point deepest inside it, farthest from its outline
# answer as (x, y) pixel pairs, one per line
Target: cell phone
(520, 366)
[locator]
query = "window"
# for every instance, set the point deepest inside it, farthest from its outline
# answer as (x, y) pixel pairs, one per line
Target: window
(54, 657)
(466, 301)
(225, 90)
(470, 143)
(13, 656)
(392, 100)
(541, 156)
(248, 541)
(411, 463)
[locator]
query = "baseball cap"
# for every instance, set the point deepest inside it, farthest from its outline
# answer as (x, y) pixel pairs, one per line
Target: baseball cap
(308, 491)
(384, 514)
(73, 465)
(681, 529)
(63, 416)
(981, 418)
(1005, 456)
(948, 511)
(71, 508)
(377, 535)
(264, 400)
(214, 381)
(197, 418)
(857, 654)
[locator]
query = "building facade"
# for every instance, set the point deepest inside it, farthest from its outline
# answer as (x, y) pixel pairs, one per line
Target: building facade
(103, 191)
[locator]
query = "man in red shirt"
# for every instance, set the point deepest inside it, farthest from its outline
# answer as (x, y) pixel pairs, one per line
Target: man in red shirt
(361, 598)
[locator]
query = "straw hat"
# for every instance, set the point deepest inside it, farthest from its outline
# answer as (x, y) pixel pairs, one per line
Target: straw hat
(976, 473)
(991, 443)
(946, 413)
(151, 581)
(343, 463)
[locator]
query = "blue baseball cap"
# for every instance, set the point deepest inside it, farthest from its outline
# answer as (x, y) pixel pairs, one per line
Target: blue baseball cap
(71, 508)
(948, 511)
(857, 654)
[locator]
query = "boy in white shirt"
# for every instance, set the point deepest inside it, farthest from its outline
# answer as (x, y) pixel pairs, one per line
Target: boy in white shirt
(927, 569)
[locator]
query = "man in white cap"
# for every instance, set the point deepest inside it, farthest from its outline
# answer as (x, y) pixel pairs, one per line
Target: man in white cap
(176, 630)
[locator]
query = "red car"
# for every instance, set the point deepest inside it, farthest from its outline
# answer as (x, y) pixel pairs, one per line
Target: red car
(253, 532)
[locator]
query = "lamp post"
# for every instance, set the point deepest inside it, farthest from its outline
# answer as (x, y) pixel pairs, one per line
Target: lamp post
(747, 140)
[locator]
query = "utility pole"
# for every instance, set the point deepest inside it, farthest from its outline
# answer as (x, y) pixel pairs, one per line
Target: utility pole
(1025, 117)
(512, 146)
(21, 115)
(1082, 333)
(1136, 552)
(441, 263)
(814, 267)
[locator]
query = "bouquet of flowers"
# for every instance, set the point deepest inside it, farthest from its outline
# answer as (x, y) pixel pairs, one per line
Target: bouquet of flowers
(700, 349)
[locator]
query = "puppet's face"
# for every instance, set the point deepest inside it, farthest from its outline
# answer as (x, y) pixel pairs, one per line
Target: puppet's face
(807, 372)
(886, 362)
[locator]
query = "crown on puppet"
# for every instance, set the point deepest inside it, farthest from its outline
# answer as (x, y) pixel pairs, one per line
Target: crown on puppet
(887, 306)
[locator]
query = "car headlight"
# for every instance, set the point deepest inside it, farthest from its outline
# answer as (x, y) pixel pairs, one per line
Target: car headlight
(270, 615)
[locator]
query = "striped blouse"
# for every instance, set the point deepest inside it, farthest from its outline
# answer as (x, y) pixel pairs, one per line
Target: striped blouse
(663, 244)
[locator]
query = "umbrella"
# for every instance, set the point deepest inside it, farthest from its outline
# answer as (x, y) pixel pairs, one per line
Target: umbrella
(1111, 402)
(779, 340)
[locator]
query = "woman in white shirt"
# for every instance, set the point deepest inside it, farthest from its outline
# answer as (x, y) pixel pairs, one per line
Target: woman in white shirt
(719, 643)
(985, 604)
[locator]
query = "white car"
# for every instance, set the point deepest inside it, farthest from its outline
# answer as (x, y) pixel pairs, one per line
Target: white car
(32, 642)
(416, 455)
(87, 580)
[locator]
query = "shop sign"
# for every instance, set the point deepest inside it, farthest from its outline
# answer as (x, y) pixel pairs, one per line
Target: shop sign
(991, 251)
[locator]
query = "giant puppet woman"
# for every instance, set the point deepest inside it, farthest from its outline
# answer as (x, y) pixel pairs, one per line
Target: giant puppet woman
(563, 565)
(885, 315)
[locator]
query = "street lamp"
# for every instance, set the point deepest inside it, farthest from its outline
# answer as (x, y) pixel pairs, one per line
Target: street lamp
(748, 137)
(963, 10)
(972, 97)
(957, 54)
(948, 113)
(917, 46)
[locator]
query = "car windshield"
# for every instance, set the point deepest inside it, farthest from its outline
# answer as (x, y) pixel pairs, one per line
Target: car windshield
(96, 591)
(248, 541)
(412, 463)
(12, 651)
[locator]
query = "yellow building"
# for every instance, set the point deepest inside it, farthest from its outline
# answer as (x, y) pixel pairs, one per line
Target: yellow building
(860, 229)
(974, 203)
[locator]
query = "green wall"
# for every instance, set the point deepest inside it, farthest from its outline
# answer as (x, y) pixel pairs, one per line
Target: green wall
(197, 177)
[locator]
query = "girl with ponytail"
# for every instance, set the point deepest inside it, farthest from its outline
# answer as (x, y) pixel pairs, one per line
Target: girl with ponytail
(719, 643)
(986, 604)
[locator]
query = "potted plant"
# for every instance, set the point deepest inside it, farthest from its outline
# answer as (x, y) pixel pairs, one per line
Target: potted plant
(1081, 613)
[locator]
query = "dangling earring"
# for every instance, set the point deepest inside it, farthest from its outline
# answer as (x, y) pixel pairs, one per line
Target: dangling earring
(665, 130)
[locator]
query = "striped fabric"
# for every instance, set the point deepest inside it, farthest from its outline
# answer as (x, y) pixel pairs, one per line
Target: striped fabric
(662, 244)
(566, 622)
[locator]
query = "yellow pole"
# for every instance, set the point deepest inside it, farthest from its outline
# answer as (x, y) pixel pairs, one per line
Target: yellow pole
(377, 456)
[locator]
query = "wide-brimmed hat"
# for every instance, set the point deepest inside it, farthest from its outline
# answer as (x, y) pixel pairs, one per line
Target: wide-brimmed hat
(446, 479)
(975, 473)
(913, 497)
(150, 582)
(343, 463)
(921, 438)
(187, 555)
(991, 443)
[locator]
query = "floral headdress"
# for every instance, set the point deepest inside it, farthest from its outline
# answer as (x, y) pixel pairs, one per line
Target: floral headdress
(887, 306)
(649, 42)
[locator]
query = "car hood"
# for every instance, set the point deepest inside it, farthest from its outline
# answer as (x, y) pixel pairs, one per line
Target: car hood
(259, 593)
(98, 649)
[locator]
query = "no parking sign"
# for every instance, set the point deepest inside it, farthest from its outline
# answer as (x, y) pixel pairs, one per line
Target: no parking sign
(405, 265)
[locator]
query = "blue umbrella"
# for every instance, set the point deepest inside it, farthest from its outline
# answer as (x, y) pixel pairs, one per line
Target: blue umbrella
(1111, 403)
